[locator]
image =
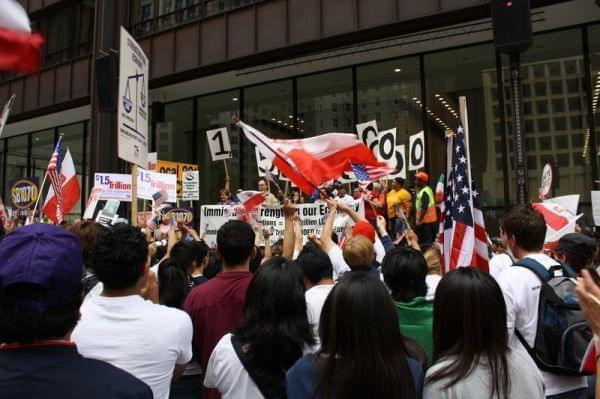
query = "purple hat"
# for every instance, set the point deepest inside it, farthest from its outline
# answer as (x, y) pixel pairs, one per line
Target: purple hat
(41, 254)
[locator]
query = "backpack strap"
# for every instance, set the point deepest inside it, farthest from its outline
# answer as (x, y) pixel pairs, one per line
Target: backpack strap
(265, 385)
(536, 267)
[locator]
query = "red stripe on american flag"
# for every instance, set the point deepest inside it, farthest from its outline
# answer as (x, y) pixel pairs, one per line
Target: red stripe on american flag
(457, 242)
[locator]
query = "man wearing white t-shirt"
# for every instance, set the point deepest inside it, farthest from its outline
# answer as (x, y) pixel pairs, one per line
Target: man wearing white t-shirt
(150, 341)
(525, 231)
(318, 278)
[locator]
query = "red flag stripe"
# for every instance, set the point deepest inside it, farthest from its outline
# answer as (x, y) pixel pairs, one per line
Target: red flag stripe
(20, 51)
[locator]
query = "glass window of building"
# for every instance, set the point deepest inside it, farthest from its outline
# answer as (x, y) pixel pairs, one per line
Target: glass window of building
(389, 90)
(593, 33)
(318, 96)
(16, 162)
(42, 146)
(469, 72)
(73, 139)
(560, 55)
(268, 108)
(174, 136)
(215, 111)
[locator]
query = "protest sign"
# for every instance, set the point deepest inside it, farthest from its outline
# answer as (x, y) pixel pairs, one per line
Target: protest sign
(416, 151)
(152, 159)
(546, 183)
(367, 132)
(177, 169)
(190, 185)
(596, 207)
(218, 142)
(132, 114)
(24, 193)
(150, 182)
(181, 215)
(92, 203)
(115, 186)
(106, 218)
(312, 219)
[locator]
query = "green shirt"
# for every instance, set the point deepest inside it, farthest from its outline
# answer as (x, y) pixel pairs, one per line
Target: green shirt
(416, 322)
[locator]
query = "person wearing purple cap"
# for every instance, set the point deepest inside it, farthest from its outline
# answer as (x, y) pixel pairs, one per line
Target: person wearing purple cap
(41, 267)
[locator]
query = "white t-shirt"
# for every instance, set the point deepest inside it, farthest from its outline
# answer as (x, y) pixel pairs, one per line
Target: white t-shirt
(432, 281)
(315, 299)
(339, 264)
(346, 199)
(521, 289)
(499, 263)
(226, 373)
(138, 336)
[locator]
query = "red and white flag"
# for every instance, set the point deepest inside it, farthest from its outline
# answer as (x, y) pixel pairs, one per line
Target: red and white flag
(250, 200)
(20, 50)
(310, 162)
(560, 214)
(55, 207)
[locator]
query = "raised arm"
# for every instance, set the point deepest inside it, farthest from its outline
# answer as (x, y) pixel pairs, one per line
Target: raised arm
(288, 236)
(326, 241)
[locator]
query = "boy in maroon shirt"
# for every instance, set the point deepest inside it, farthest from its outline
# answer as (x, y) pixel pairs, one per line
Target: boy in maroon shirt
(216, 306)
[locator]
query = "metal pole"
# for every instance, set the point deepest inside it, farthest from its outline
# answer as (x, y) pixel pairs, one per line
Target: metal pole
(518, 128)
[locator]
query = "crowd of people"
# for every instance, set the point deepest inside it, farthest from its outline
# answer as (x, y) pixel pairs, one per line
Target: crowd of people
(116, 312)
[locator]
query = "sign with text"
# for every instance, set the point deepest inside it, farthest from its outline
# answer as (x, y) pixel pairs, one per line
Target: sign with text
(24, 192)
(90, 209)
(181, 215)
(175, 168)
(152, 159)
(132, 113)
(190, 185)
(151, 182)
(218, 142)
(115, 186)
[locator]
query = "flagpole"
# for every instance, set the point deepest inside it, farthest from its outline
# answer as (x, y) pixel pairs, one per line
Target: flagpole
(465, 123)
(39, 195)
(134, 173)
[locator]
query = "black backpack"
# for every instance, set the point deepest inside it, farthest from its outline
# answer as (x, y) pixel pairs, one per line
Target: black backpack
(563, 333)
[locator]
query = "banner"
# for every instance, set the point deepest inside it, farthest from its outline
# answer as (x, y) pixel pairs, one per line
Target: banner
(24, 193)
(175, 168)
(132, 113)
(312, 219)
(416, 151)
(151, 182)
(115, 186)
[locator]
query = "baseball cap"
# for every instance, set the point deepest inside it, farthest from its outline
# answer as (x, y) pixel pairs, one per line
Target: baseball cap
(364, 228)
(422, 176)
(577, 244)
(41, 254)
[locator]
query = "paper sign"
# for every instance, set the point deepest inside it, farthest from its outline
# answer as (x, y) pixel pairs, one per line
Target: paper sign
(106, 218)
(112, 206)
(132, 113)
(152, 158)
(151, 182)
(416, 151)
(24, 192)
(218, 141)
(90, 209)
(175, 168)
(367, 133)
(400, 163)
(190, 185)
(181, 215)
(596, 207)
(114, 186)
(546, 181)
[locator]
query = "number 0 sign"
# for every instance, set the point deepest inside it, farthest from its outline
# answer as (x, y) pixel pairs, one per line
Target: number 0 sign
(218, 141)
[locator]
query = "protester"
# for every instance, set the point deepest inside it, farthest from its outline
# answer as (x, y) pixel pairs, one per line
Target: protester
(472, 358)
(357, 193)
(433, 258)
(193, 255)
(225, 198)
(41, 267)
(577, 250)
(359, 255)
(87, 231)
(525, 231)
(251, 362)
(342, 194)
(263, 187)
(425, 216)
(216, 306)
(318, 279)
(362, 352)
(152, 342)
(399, 203)
(404, 271)
(374, 203)
(501, 260)
(173, 285)
(588, 293)
(296, 196)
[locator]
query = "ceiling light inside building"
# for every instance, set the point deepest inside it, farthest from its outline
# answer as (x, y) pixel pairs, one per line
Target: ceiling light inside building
(398, 70)
(234, 99)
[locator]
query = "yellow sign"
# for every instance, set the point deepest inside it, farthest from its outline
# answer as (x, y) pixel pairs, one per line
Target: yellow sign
(175, 168)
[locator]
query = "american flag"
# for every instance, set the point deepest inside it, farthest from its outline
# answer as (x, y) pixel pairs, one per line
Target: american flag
(53, 171)
(160, 197)
(366, 175)
(464, 238)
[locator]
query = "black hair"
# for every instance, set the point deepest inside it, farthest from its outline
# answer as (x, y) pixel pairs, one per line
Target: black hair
(256, 260)
(362, 353)
(315, 263)
(276, 328)
(173, 283)
(119, 256)
(527, 226)
(186, 252)
(235, 242)
(477, 331)
(404, 271)
(277, 248)
(214, 265)
(18, 325)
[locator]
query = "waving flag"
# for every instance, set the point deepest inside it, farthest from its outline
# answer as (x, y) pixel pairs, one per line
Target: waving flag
(19, 48)
(310, 162)
(560, 214)
(464, 238)
(64, 191)
(366, 174)
(250, 200)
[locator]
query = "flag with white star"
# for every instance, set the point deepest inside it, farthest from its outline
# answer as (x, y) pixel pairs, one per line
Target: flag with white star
(464, 238)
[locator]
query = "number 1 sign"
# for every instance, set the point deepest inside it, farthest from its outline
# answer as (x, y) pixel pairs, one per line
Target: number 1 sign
(218, 141)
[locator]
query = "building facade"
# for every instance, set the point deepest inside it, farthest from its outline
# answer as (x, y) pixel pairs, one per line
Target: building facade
(299, 68)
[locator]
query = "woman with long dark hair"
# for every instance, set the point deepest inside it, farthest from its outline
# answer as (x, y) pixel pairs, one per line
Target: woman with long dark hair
(252, 361)
(472, 358)
(362, 353)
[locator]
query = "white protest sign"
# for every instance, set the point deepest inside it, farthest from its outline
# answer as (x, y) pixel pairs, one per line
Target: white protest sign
(400, 163)
(546, 181)
(416, 151)
(114, 186)
(92, 203)
(151, 182)
(132, 113)
(367, 133)
(152, 159)
(106, 218)
(218, 141)
(190, 185)
(596, 207)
